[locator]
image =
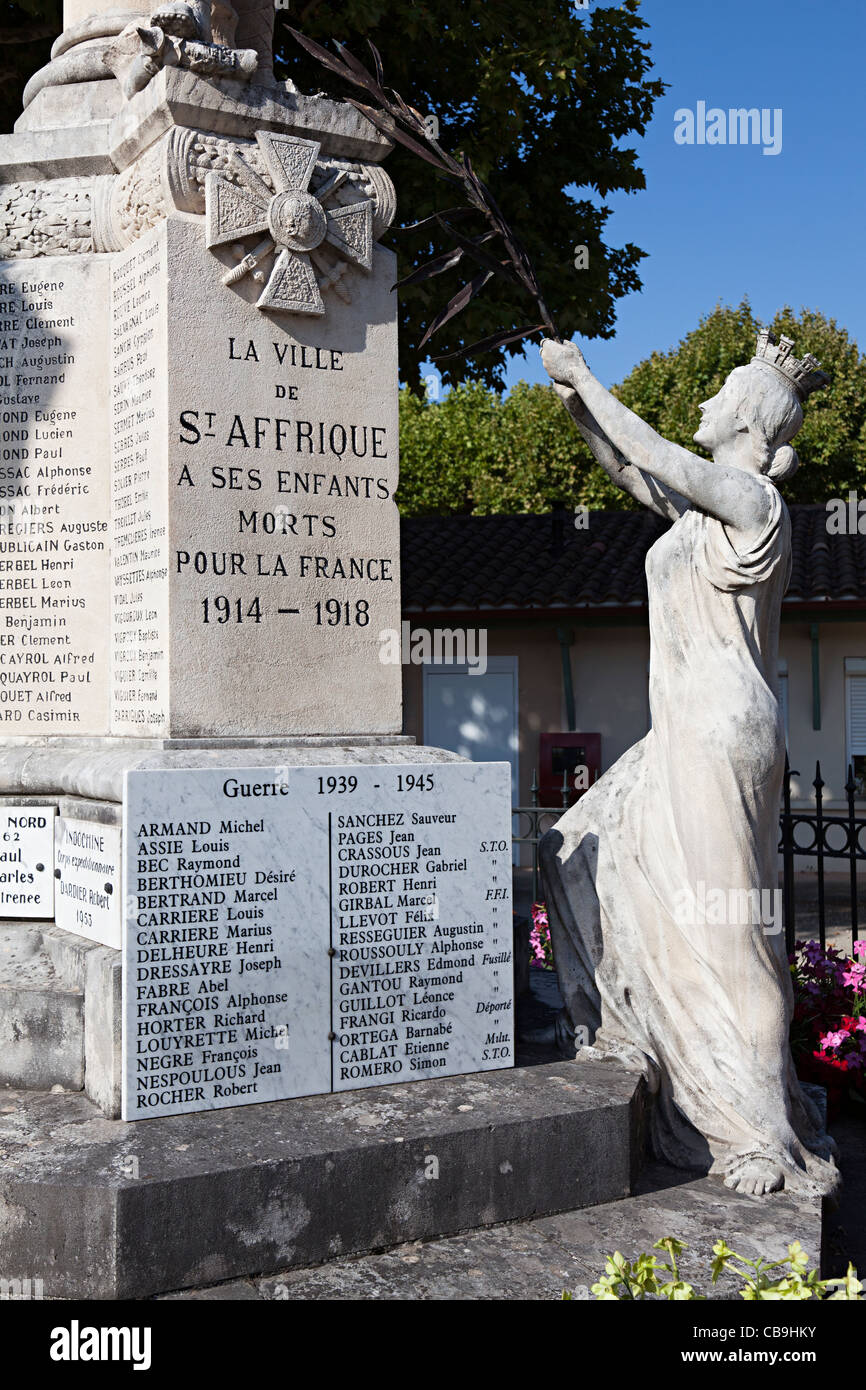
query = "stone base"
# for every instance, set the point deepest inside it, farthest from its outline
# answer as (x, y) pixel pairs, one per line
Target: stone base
(101, 1209)
(60, 1012)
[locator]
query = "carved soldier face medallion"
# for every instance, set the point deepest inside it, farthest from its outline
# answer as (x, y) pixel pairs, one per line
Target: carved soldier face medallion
(297, 220)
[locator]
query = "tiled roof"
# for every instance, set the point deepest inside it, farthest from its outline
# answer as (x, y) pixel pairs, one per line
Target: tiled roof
(831, 567)
(531, 562)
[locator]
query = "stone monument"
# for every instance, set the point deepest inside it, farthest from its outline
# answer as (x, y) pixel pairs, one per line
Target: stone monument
(242, 869)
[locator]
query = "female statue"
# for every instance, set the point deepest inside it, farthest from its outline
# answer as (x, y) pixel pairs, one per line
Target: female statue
(700, 1002)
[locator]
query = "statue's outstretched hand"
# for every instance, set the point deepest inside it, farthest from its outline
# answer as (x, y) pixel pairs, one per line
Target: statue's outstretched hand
(563, 361)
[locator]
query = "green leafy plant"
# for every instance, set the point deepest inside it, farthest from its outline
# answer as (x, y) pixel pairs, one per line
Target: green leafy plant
(645, 1277)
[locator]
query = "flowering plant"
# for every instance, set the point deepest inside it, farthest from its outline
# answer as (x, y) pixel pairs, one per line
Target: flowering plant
(539, 939)
(828, 1033)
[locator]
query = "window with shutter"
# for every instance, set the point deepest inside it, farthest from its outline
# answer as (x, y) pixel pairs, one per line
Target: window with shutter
(855, 718)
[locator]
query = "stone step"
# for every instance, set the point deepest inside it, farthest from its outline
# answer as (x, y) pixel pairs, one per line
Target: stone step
(99, 1208)
(537, 1260)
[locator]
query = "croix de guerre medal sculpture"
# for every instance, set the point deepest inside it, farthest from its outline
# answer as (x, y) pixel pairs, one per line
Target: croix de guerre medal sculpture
(702, 1009)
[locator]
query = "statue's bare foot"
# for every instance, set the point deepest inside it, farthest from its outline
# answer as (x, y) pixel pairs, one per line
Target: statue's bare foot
(757, 1177)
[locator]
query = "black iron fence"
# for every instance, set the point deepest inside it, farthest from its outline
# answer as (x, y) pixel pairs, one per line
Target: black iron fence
(534, 820)
(821, 837)
(808, 833)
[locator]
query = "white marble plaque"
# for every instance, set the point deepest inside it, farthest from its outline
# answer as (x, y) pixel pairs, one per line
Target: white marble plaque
(293, 931)
(27, 861)
(88, 893)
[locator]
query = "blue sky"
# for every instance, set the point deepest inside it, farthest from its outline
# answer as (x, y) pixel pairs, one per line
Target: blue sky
(720, 222)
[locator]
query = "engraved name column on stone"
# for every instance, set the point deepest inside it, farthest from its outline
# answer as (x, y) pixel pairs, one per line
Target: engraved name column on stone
(225, 980)
(421, 923)
(140, 595)
(54, 498)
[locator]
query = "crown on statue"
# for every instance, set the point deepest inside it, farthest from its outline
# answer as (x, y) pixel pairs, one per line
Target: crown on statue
(802, 373)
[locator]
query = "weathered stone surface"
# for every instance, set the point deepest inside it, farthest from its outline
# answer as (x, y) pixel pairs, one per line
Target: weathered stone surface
(41, 1016)
(234, 549)
(222, 1194)
(178, 97)
(60, 1013)
(538, 1260)
(55, 154)
(238, 1290)
(87, 107)
(103, 1021)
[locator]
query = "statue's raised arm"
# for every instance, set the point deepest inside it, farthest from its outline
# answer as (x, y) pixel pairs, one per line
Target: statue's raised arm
(746, 427)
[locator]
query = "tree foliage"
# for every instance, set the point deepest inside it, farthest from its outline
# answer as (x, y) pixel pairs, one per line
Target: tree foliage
(542, 98)
(477, 451)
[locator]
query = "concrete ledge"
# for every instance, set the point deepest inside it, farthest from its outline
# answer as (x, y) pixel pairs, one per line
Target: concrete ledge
(102, 1209)
(53, 154)
(225, 106)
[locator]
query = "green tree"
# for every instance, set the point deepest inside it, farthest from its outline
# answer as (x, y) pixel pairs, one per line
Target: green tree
(542, 97)
(478, 451)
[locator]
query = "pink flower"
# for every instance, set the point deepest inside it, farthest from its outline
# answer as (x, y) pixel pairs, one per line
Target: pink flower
(860, 948)
(832, 1040)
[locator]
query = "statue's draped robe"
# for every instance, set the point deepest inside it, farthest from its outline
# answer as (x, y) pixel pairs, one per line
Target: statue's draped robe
(687, 820)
